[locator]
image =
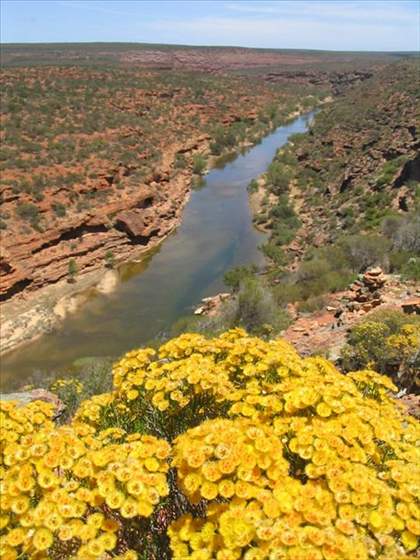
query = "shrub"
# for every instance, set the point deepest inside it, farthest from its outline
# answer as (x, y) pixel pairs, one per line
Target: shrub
(253, 186)
(28, 211)
(411, 269)
(287, 292)
(180, 161)
(256, 310)
(59, 209)
(199, 164)
(222, 448)
(233, 278)
(109, 259)
(278, 178)
(364, 251)
(274, 253)
(72, 270)
(389, 170)
(407, 236)
(312, 304)
(389, 342)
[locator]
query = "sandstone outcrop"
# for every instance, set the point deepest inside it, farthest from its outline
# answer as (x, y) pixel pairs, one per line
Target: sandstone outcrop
(89, 191)
(325, 331)
(210, 306)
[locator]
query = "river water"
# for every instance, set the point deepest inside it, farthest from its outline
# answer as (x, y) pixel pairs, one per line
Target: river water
(216, 234)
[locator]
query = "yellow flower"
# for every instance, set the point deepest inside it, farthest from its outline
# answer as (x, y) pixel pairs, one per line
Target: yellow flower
(209, 490)
(409, 540)
(323, 410)
(144, 509)
(376, 520)
(129, 508)
(115, 499)
(96, 548)
(16, 537)
(43, 539)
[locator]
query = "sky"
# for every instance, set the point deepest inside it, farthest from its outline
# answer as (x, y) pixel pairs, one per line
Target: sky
(366, 25)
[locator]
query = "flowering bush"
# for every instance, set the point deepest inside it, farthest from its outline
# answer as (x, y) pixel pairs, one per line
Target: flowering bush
(388, 342)
(227, 448)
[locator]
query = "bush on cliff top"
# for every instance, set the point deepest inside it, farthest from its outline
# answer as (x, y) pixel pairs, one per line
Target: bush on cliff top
(226, 448)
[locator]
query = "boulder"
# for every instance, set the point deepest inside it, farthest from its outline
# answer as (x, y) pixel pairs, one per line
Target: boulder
(25, 397)
(411, 305)
(135, 224)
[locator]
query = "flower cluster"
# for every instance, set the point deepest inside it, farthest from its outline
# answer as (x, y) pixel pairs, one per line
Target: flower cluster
(17, 422)
(289, 459)
(72, 384)
(73, 487)
(351, 458)
(91, 410)
(225, 458)
(178, 375)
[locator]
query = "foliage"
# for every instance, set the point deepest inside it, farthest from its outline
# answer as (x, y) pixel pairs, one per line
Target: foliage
(388, 342)
(59, 209)
(72, 269)
(28, 211)
(253, 186)
(65, 127)
(388, 171)
(109, 259)
(223, 448)
(256, 311)
(233, 277)
(251, 306)
(199, 164)
(365, 251)
(95, 378)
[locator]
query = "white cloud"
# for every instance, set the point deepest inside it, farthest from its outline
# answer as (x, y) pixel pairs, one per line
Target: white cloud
(276, 32)
(363, 11)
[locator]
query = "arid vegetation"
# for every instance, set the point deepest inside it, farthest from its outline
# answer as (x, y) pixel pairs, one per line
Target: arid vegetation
(345, 196)
(111, 152)
(336, 202)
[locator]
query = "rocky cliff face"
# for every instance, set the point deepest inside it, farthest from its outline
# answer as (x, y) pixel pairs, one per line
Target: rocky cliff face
(97, 165)
(337, 81)
(123, 225)
(360, 161)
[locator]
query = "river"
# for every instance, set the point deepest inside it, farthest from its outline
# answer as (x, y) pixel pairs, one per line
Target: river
(216, 234)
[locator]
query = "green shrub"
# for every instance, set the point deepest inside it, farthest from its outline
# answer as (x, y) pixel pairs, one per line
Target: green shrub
(72, 270)
(389, 342)
(278, 178)
(253, 186)
(312, 304)
(364, 251)
(28, 211)
(274, 253)
(389, 170)
(199, 164)
(256, 310)
(233, 278)
(59, 209)
(286, 292)
(109, 259)
(180, 161)
(411, 269)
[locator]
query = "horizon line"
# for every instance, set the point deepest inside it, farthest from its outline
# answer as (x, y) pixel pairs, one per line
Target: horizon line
(184, 45)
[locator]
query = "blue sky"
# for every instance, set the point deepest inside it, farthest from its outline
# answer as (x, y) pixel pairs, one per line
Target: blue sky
(313, 24)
